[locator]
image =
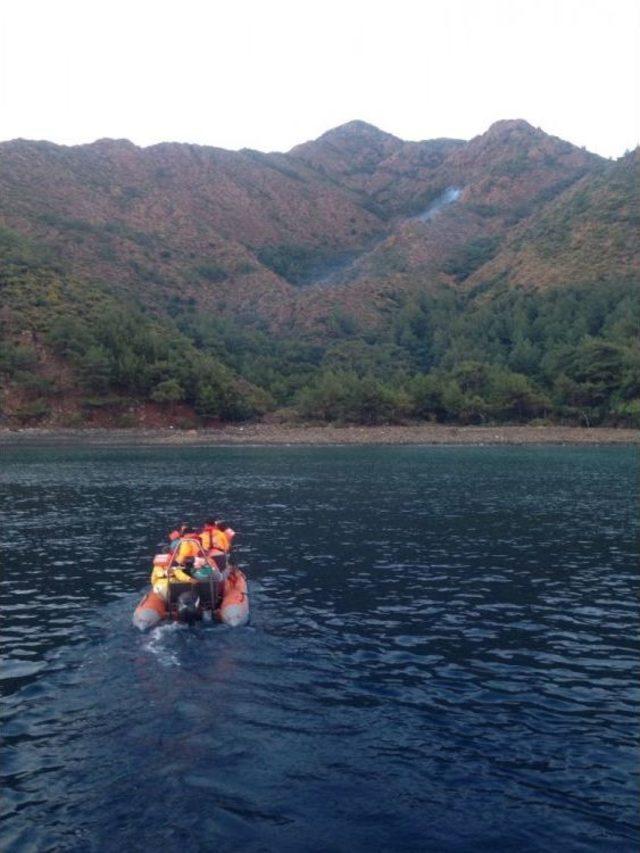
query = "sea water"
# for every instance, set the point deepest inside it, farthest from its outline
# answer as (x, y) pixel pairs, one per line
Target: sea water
(442, 652)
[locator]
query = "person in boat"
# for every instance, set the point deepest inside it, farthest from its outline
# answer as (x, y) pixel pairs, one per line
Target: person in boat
(163, 573)
(215, 543)
(175, 535)
(213, 538)
(227, 531)
(188, 548)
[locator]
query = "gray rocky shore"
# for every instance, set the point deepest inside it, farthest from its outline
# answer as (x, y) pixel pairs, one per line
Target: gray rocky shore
(280, 434)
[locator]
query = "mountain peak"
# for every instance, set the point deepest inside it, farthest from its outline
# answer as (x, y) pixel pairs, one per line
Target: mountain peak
(518, 138)
(351, 135)
(511, 125)
(355, 145)
(357, 128)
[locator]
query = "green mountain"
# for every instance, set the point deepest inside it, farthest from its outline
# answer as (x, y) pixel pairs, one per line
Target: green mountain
(357, 277)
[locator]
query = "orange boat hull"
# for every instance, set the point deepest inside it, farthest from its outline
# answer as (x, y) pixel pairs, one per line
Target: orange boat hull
(151, 610)
(234, 608)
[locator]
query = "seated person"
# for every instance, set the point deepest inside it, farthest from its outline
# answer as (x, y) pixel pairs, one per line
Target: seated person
(174, 536)
(189, 547)
(213, 537)
(162, 575)
(208, 534)
(226, 534)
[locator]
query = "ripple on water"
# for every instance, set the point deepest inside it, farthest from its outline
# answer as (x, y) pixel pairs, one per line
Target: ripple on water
(442, 653)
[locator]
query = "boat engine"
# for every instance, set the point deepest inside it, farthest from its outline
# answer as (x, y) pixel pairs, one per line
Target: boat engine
(187, 607)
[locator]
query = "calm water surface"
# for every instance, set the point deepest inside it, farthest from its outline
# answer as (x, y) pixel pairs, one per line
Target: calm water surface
(442, 654)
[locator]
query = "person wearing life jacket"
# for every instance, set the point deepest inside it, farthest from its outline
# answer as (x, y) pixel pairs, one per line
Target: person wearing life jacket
(160, 579)
(206, 534)
(228, 533)
(188, 548)
(165, 571)
(212, 537)
(175, 535)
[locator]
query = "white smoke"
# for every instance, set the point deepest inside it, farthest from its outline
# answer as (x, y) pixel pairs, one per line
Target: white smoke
(450, 195)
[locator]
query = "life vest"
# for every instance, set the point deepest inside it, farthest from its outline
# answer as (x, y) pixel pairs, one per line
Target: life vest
(160, 582)
(161, 587)
(157, 573)
(187, 548)
(223, 541)
(180, 576)
(206, 537)
(211, 538)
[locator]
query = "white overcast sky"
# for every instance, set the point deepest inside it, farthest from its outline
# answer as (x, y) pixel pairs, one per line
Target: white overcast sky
(269, 74)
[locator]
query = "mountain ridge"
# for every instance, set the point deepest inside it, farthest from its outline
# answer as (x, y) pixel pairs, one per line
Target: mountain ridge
(325, 242)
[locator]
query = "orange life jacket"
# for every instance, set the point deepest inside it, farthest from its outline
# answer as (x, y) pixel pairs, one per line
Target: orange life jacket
(211, 537)
(222, 541)
(187, 548)
(206, 537)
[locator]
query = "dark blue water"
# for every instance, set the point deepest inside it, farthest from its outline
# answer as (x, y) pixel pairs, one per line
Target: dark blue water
(442, 656)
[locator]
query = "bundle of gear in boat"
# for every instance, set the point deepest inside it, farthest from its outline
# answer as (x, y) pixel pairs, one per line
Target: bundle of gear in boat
(193, 579)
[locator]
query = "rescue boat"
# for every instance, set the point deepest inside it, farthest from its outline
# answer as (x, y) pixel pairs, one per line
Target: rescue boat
(213, 590)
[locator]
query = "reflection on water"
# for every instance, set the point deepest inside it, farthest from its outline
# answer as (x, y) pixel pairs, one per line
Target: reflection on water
(441, 654)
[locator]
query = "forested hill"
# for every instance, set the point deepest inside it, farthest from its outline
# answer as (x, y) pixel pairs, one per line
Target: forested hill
(357, 277)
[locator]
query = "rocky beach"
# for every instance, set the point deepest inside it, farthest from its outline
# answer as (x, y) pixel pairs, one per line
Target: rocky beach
(280, 434)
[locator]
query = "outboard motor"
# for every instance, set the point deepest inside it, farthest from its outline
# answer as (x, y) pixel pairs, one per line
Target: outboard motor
(187, 607)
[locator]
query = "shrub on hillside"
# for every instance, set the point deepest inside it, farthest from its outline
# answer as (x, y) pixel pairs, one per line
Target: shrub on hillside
(16, 358)
(294, 263)
(212, 272)
(167, 391)
(346, 397)
(471, 257)
(34, 412)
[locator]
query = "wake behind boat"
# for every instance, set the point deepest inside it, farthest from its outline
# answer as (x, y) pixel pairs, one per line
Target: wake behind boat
(192, 583)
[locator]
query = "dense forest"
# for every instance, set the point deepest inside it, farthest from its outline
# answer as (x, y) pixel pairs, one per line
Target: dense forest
(565, 355)
(568, 356)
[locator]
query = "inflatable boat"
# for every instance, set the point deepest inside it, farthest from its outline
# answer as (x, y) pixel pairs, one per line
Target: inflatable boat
(210, 589)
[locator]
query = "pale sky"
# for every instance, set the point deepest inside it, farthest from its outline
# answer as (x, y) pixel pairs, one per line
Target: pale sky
(269, 74)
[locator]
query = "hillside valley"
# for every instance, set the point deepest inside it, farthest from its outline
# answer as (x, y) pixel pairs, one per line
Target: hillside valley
(355, 278)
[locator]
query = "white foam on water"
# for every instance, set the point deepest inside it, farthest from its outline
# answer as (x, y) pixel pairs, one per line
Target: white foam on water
(158, 644)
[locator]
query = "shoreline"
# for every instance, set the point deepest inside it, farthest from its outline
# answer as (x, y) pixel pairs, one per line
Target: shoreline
(285, 435)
